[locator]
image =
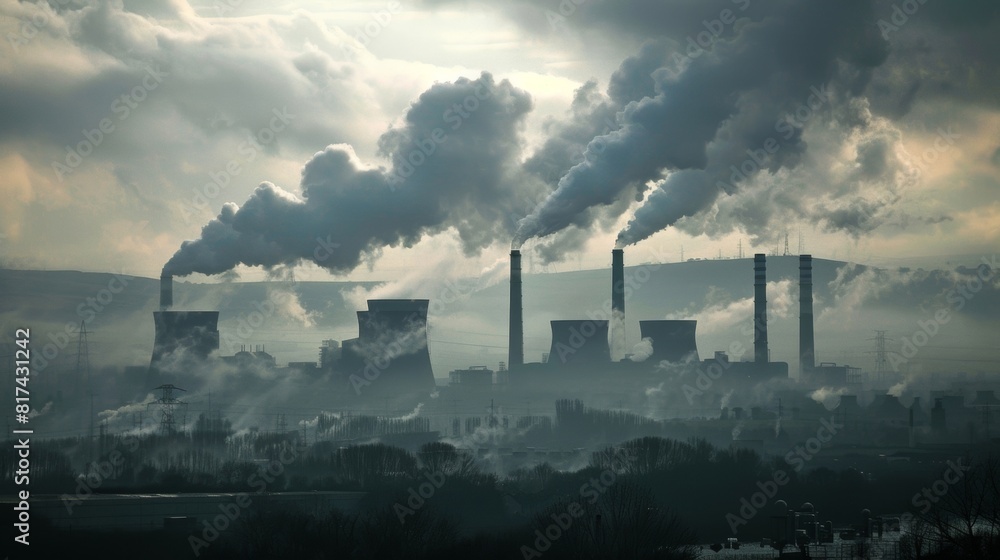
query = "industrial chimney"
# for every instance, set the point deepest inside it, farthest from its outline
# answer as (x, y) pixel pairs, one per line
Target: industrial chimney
(166, 292)
(760, 309)
(617, 304)
(807, 344)
(515, 343)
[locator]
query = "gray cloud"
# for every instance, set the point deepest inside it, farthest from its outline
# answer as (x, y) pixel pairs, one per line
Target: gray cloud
(731, 95)
(453, 165)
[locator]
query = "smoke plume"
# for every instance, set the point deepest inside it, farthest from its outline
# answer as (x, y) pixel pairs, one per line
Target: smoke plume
(707, 116)
(453, 165)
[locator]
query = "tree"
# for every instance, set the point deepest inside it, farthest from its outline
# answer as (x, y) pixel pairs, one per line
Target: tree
(625, 522)
(965, 517)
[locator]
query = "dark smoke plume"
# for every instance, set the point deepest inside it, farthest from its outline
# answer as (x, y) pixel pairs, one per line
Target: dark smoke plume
(707, 114)
(453, 165)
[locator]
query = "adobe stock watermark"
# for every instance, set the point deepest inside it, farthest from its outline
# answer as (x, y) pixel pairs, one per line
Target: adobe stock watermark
(796, 458)
(707, 375)
(381, 354)
(901, 13)
(565, 9)
(957, 298)
(249, 150)
(248, 323)
(97, 474)
(632, 282)
(31, 27)
(786, 126)
(419, 496)
(232, 511)
(935, 491)
(122, 106)
(590, 491)
(702, 42)
(87, 311)
(456, 115)
(944, 142)
(377, 22)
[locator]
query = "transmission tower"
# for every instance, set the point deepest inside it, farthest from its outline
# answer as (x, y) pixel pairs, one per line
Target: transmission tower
(786, 253)
(82, 358)
(167, 403)
(740, 246)
(881, 362)
(82, 374)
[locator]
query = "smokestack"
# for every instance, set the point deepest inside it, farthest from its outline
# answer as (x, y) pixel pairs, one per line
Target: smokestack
(807, 344)
(515, 343)
(617, 304)
(166, 292)
(760, 309)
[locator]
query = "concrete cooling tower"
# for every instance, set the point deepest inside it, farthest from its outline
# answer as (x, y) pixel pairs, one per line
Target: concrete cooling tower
(673, 341)
(579, 342)
(182, 338)
(184, 335)
(391, 349)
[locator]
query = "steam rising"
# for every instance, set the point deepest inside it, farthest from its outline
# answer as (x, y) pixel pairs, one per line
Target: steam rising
(446, 172)
(697, 123)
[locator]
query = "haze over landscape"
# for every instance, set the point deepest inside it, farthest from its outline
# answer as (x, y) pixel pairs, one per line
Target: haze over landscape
(378, 235)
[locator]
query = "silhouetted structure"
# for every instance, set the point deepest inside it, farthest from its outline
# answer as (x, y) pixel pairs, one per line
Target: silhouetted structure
(166, 292)
(618, 302)
(807, 344)
(515, 356)
(760, 308)
(183, 336)
(673, 341)
(582, 342)
(391, 348)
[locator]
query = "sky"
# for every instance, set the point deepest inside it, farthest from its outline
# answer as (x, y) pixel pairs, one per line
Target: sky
(368, 140)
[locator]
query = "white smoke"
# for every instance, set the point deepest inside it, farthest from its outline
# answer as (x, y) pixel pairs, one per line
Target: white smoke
(654, 391)
(738, 429)
(827, 396)
(35, 413)
(411, 415)
(642, 350)
(726, 398)
(125, 413)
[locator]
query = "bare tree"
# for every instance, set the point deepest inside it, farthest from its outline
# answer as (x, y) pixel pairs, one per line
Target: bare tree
(625, 522)
(964, 518)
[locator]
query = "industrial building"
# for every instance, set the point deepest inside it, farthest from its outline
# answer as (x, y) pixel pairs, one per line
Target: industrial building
(586, 357)
(182, 338)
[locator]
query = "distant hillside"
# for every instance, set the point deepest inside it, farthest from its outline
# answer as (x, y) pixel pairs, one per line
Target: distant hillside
(470, 328)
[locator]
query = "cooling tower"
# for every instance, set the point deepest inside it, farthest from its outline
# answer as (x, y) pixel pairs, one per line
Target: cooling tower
(515, 341)
(618, 304)
(807, 345)
(673, 341)
(760, 308)
(579, 342)
(183, 336)
(166, 292)
(391, 348)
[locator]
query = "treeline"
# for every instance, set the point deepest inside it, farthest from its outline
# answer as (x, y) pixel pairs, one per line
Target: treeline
(717, 492)
(335, 426)
(576, 422)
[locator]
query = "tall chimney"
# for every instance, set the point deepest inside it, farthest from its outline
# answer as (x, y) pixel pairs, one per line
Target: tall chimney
(807, 344)
(515, 343)
(760, 309)
(617, 304)
(166, 292)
